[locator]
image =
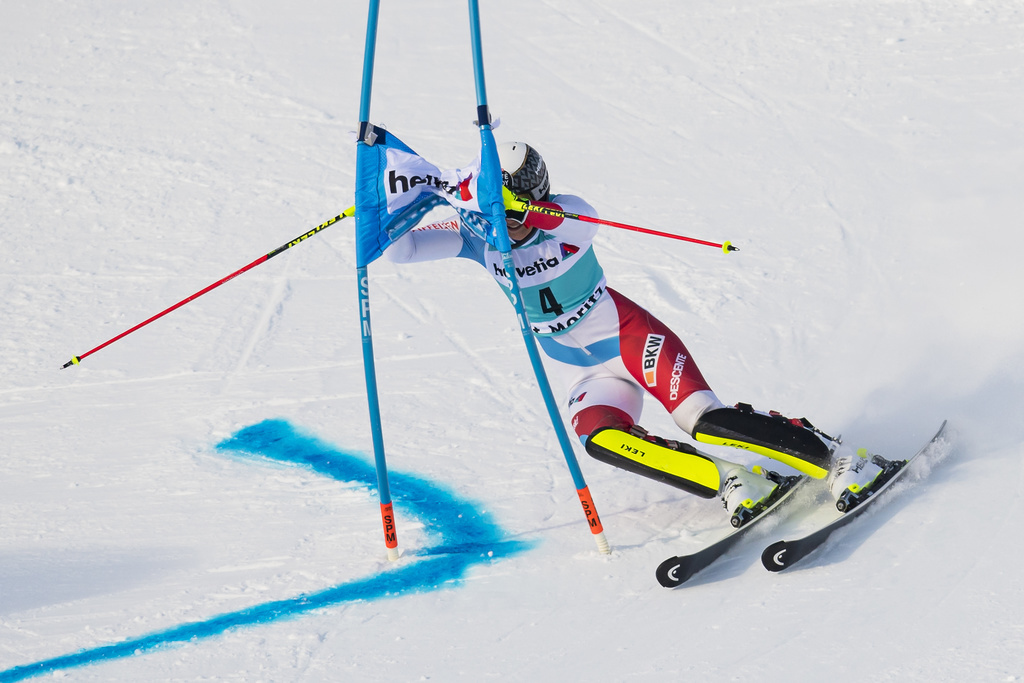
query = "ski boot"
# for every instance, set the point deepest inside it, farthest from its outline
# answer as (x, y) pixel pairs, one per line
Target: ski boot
(855, 476)
(793, 441)
(748, 493)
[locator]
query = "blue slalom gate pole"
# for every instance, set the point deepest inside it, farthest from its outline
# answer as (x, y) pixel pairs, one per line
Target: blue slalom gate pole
(369, 370)
(490, 173)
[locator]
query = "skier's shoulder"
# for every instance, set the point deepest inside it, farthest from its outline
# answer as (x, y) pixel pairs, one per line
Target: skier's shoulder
(571, 203)
(576, 231)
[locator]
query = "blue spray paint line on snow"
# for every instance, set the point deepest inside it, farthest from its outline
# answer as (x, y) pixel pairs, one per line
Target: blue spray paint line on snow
(466, 537)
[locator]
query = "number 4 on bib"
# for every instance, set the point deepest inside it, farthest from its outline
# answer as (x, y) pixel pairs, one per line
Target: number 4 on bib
(548, 302)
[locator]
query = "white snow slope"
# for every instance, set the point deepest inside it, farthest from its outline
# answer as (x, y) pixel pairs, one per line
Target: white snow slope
(866, 157)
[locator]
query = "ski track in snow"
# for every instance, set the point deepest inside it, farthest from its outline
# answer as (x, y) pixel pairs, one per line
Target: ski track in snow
(272, 311)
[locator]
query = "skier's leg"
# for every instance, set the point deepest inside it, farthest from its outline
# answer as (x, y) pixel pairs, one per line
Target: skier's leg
(795, 442)
(744, 492)
(604, 411)
(604, 401)
(658, 361)
(610, 359)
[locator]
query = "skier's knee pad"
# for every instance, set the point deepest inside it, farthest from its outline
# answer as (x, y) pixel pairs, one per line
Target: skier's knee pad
(593, 418)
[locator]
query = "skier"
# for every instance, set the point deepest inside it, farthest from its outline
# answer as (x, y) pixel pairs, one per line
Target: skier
(607, 351)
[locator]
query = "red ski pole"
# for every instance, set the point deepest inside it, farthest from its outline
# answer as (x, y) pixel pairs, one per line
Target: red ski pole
(266, 257)
(725, 247)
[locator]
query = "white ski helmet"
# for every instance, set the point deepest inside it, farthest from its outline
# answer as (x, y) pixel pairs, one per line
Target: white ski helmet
(523, 171)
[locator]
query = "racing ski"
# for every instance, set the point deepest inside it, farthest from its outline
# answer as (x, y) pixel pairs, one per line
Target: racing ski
(675, 570)
(783, 554)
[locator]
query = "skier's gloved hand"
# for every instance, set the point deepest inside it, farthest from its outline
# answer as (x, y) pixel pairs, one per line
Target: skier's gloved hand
(515, 208)
(512, 202)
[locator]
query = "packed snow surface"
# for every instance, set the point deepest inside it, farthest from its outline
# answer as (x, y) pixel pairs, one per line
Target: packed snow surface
(197, 500)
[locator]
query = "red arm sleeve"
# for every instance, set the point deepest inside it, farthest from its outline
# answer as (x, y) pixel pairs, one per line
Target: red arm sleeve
(543, 221)
(566, 229)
